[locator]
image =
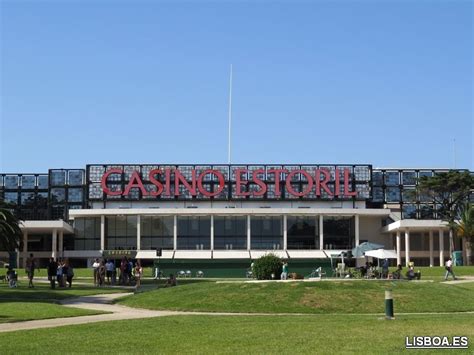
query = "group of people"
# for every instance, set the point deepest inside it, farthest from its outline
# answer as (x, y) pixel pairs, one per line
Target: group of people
(60, 271)
(105, 271)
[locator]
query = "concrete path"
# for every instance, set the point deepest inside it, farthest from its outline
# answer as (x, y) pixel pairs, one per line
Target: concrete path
(460, 280)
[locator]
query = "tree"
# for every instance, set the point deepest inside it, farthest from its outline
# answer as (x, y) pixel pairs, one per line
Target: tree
(10, 232)
(266, 266)
(449, 191)
(465, 229)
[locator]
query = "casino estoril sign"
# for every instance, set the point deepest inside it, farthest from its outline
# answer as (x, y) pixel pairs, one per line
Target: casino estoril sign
(172, 182)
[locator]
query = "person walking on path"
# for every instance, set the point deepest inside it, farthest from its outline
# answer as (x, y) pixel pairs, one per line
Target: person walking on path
(30, 270)
(52, 269)
(449, 269)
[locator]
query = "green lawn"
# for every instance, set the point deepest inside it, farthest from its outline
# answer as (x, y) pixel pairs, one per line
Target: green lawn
(18, 304)
(240, 334)
(22, 311)
(42, 293)
(307, 297)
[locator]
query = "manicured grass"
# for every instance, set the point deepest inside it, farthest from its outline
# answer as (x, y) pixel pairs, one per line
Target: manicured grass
(240, 334)
(308, 297)
(23, 311)
(42, 293)
(438, 271)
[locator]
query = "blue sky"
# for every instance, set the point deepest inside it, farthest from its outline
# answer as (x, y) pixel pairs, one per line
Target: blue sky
(390, 84)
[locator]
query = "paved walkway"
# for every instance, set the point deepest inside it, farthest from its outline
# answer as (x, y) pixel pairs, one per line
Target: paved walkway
(460, 280)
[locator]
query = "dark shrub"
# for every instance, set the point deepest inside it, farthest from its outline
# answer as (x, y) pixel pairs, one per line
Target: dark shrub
(265, 266)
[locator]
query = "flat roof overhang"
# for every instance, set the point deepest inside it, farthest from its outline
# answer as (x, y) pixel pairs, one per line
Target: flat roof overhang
(414, 225)
(230, 211)
(46, 227)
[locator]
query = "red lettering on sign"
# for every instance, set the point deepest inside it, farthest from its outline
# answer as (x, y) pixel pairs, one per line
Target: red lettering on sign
(277, 173)
(220, 187)
(239, 182)
(135, 182)
(308, 188)
(179, 178)
(322, 184)
(346, 184)
(259, 182)
(154, 181)
(103, 182)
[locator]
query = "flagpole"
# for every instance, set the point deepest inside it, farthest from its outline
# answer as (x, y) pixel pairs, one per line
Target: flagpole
(230, 116)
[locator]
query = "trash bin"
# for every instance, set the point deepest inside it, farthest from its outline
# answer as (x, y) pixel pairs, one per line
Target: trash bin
(457, 258)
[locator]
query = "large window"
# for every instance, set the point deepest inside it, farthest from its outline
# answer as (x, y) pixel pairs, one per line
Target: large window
(302, 232)
(230, 232)
(87, 233)
(121, 232)
(156, 232)
(40, 242)
(194, 233)
(267, 232)
(338, 232)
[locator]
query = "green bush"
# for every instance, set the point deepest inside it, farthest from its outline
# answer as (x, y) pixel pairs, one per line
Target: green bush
(265, 266)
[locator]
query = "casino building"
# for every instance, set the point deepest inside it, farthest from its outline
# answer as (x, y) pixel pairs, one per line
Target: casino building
(217, 218)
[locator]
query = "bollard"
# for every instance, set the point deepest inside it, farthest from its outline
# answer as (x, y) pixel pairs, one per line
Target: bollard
(388, 305)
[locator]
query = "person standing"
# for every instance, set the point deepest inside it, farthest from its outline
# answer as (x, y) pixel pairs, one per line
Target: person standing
(59, 274)
(138, 274)
(52, 269)
(284, 273)
(449, 269)
(101, 274)
(69, 272)
(109, 268)
(95, 267)
(385, 269)
(30, 270)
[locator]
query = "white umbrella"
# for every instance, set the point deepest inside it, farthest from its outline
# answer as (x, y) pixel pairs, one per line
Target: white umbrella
(382, 254)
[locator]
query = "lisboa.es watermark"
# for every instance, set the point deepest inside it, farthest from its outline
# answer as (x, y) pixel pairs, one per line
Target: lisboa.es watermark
(437, 342)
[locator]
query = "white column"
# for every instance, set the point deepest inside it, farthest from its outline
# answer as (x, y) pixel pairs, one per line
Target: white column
(249, 233)
(139, 232)
(61, 243)
(25, 247)
(175, 232)
(102, 232)
(321, 233)
(54, 251)
(285, 232)
(399, 253)
(407, 247)
(441, 247)
(212, 232)
(356, 230)
(431, 249)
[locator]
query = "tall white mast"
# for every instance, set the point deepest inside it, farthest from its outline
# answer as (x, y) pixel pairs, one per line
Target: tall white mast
(230, 115)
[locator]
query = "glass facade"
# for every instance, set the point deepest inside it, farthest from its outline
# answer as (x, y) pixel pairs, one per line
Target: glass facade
(87, 233)
(230, 232)
(303, 232)
(266, 232)
(120, 232)
(338, 232)
(40, 242)
(194, 232)
(156, 232)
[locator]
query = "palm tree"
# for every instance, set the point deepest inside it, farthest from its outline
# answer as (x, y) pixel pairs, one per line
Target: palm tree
(10, 232)
(465, 229)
